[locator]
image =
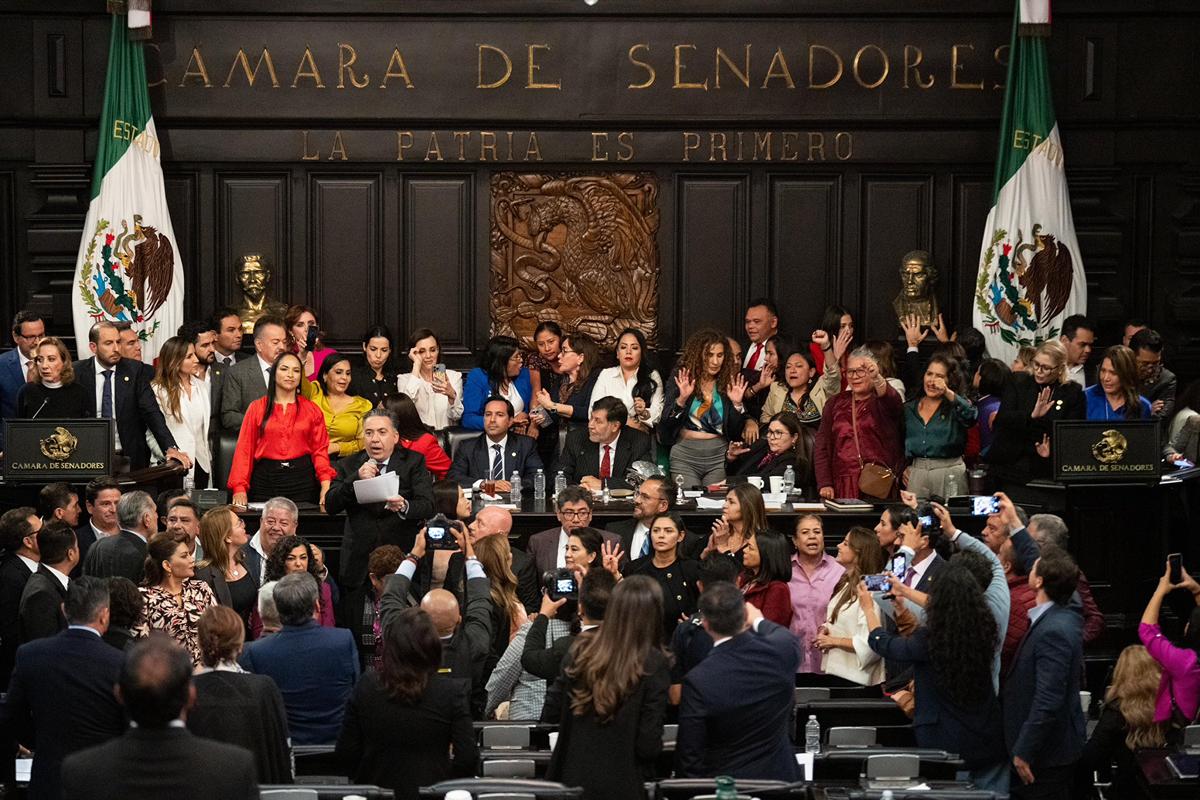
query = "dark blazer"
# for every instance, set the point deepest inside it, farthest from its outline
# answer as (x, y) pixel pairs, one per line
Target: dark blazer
(1015, 434)
(627, 746)
(543, 546)
(742, 733)
(935, 566)
(241, 385)
(41, 613)
(315, 669)
(899, 673)
(403, 746)
(215, 579)
(167, 764)
(123, 555)
(246, 710)
(61, 700)
(216, 377)
(581, 456)
(369, 526)
(13, 577)
(473, 459)
(85, 537)
(119, 638)
(976, 733)
(806, 480)
(12, 378)
(136, 409)
(1043, 721)
(693, 543)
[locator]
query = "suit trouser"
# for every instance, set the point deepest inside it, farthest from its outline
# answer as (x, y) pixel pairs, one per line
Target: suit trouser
(1050, 783)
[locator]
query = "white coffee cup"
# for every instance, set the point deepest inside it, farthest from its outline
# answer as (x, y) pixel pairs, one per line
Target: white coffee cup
(1085, 700)
(776, 484)
(453, 794)
(756, 480)
(553, 739)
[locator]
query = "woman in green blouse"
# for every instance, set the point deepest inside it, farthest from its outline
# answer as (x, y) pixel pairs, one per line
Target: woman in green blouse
(935, 432)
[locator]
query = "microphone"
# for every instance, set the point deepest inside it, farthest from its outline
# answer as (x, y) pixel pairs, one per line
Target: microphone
(43, 405)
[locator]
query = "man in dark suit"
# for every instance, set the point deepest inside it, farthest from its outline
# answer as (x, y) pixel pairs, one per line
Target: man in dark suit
(761, 323)
(1043, 720)
(605, 449)
(743, 733)
(574, 509)
(100, 497)
(466, 631)
(122, 391)
(125, 553)
(496, 453)
(652, 499)
(494, 521)
(41, 613)
(61, 696)
(228, 345)
(159, 757)
(18, 538)
(27, 328)
(246, 381)
(1156, 383)
(314, 667)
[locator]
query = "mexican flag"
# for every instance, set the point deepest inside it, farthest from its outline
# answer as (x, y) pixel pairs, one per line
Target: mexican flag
(1030, 268)
(128, 269)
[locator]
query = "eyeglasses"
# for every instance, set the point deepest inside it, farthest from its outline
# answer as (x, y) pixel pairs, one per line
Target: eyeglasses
(855, 372)
(1039, 367)
(640, 495)
(774, 434)
(565, 351)
(575, 513)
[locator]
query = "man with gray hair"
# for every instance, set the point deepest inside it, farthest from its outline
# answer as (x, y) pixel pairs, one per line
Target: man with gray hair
(314, 667)
(280, 518)
(125, 553)
(1050, 530)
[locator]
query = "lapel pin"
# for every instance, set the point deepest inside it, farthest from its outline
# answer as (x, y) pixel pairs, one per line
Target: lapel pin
(127, 379)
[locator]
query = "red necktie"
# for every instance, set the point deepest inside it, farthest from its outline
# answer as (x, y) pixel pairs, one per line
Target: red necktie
(606, 463)
(758, 348)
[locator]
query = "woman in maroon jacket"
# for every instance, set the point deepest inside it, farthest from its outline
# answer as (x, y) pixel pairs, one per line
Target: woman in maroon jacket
(765, 574)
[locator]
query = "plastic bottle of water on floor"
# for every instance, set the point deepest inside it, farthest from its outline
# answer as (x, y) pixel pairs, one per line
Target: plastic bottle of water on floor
(812, 735)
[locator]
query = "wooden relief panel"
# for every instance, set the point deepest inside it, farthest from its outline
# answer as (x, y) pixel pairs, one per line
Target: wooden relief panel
(580, 250)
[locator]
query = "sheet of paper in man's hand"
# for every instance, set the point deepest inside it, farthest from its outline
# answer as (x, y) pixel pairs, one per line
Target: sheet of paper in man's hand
(377, 489)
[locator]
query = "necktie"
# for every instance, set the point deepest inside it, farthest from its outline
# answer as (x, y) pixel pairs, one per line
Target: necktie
(227, 361)
(106, 398)
(267, 375)
(646, 545)
(497, 463)
(908, 576)
(758, 348)
(606, 462)
(30, 369)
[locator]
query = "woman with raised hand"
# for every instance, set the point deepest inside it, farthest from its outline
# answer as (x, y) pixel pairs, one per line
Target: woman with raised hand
(843, 637)
(935, 432)
(633, 381)
(304, 338)
(437, 393)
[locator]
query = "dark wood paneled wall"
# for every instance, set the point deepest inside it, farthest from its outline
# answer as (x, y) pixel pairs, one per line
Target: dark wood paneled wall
(374, 240)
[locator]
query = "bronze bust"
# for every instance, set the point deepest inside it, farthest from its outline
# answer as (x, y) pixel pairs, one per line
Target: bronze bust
(253, 277)
(917, 298)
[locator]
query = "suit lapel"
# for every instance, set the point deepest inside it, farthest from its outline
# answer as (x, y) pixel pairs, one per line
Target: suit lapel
(1029, 635)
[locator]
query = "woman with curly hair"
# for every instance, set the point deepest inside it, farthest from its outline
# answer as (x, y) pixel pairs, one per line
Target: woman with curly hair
(702, 410)
(295, 554)
(1126, 725)
(951, 654)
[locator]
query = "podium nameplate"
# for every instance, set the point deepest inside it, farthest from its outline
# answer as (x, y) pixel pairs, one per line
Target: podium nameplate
(57, 449)
(1120, 451)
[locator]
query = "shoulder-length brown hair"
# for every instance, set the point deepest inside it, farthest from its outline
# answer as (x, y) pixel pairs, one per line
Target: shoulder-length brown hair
(754, 510)
(1124, 363)
(495, 556)
(869, 561)
(166, 375)
(1135, 686)
(412, 653)
(68, 369)
(695, 351)
(607, 665)
(589, 354)
(215, 525)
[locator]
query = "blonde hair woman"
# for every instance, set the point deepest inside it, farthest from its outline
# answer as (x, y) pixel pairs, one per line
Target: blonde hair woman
(1127, 722)
(53, 392)
(495, 556)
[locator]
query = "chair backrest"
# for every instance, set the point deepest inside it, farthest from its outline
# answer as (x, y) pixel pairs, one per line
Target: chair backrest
(506, 737)
(806, 694)
(508, 768)
(515, 787)
(224, 447)
(1191, 736)
(893, 765)
(852, 736)
(670, 733)
(457, 435)
(288, 794)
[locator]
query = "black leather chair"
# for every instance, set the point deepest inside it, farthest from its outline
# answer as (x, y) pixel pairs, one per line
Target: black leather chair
(687, 788)
(224, 445)
(544, 790)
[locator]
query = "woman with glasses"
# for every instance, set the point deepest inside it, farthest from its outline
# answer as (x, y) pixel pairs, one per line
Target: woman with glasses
(578, 359)
(1031, 402)
(787, 443)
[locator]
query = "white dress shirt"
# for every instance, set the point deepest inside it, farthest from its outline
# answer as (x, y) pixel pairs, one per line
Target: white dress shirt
(112, 388)
(263, 367)
(611, 383)
(640, 534)
(561, 558)
(919, 569)
(63, 579)
(1075, 373)
(435, 409)
(29, 562)
(491, 459)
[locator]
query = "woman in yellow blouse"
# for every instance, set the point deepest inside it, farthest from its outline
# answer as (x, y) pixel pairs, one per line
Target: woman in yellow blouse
(343, 411)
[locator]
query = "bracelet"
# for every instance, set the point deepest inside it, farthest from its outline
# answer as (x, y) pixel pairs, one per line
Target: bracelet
(414, 559)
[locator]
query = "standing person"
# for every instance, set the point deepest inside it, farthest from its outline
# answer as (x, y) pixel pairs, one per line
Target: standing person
(53, 392)
(40, 611)
(174, 598)
(508, 614)
(210, 373)
(677, 576)
(228, 345)
(1043, 721)
(703, 409)
(18, 540)
(17, 366)
(1115, 393)
(342, 410)
(185, 404)
(836, 321)
(614, 686)
(814, 575)
(60, 699)
(304, 339)
(935, 432)
(249, 379)
(499, 374)
(742, 733)
(283, 447)
(376, 377)
(860, 428)
(438, 394)
(1179, 690)
(579, 363)
(415, 436)
(761, 362)
(125, 553)
(843, 638)
(294, 554)
(633, 381)
(765, 574)
(1078, 340)
(157, 756)
(100, 499)
(1155, 382)
(404, 719)
(650, 500)
(1183, 434)
(989, 381)
(800, 388)
(223, 537)
(545, 374)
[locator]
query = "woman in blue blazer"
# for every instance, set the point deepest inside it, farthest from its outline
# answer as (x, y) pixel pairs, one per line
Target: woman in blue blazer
(956, 705)
(499, 373)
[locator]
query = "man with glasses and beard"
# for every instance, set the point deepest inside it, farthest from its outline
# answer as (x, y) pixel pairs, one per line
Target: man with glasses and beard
(650, 500)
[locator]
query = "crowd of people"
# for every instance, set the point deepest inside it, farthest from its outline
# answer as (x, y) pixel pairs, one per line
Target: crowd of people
(434, 618)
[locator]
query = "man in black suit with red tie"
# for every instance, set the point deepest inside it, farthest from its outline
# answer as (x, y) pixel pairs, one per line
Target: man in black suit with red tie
(605, 449)
(761, 323)
(61, 696)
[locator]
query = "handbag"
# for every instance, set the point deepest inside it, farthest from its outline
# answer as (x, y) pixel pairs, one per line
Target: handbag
(874, 480)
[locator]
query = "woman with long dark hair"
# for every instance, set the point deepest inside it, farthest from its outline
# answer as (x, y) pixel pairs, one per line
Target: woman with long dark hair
(952, 654)
(615, 686)
(1114, 395)
(283, 447)
(678, 576)
(836, 321)
(787, 443)
(935, 432)
(377, 375)
(174, 598)
(798, 388)
(744, 515)
(765, 574)
(703, 409)
(500, 373)
(405, 720)
(295, 554)
(989, 382)
(584, 547)
(415, 435)
(843, 637)
(542, 360)
(633, 381)
(579, 363)
(437, 392)
(299, 321)
(343, 411)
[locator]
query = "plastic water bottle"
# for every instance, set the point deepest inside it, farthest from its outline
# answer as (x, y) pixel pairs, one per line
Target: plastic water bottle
(605, 496)
(515, 480)
(539, 485)
(560, 483)
(951, 485)
(726, 788)
(789, 480)
(812, 735)
(189, 483)
(888, 794)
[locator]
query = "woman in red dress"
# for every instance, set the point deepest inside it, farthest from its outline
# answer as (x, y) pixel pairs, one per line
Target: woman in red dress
(874, 405)
(415, 435)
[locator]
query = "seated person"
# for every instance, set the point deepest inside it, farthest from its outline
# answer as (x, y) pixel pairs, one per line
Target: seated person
(496, 453)
(787, 443)
(605, 449)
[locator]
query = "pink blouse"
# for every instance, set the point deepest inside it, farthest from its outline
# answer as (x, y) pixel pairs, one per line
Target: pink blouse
(1180, 674)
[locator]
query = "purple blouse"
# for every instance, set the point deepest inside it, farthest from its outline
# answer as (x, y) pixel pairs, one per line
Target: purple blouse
(1180, 676)
(810, 603)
